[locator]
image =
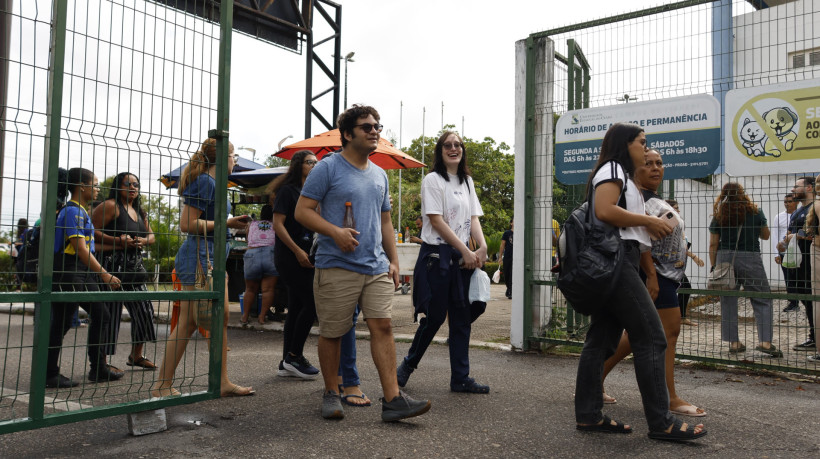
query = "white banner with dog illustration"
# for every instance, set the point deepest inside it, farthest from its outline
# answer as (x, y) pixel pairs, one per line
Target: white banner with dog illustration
(773, 129)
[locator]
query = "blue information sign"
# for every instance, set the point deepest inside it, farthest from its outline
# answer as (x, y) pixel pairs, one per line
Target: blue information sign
(684, 130)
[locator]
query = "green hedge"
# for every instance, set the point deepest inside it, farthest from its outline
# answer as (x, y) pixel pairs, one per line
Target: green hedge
(7, 271)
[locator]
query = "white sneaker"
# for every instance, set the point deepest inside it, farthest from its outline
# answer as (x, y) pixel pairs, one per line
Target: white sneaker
(284, 372)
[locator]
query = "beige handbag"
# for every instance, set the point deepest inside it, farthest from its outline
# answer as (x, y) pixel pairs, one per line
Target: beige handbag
(723, 276)
(204, 282)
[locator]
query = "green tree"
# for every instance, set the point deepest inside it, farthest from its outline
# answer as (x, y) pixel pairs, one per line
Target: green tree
(493, 171)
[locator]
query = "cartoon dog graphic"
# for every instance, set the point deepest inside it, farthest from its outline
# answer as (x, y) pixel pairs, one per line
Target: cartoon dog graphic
(753, 138)
(781, 120)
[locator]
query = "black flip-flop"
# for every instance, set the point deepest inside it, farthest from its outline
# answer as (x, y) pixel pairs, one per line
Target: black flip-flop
(347, 402)
(676, 434)
(605, 426)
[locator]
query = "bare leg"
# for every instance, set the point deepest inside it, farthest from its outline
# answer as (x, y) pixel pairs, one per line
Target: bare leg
(175, 348)
(383, 349)
(623, 350)
(136, 351)
(227, 387)
(249, 300)
(268, 289)
(671, 320)
(329, 351)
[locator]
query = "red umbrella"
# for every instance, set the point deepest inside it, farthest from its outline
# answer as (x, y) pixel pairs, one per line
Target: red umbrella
(386, 155)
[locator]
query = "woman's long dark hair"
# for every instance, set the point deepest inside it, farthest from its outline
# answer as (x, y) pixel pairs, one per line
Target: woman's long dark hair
(615, 147)
(294, 174)
(732, 205)
(116, 187)
(438, 159)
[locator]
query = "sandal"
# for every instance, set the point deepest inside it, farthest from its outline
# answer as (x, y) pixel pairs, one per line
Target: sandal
(606, 425)
(362, 397)
(689, 410)
(771, 350)
(141, 362)
(165, 392)
(740, 348)
(677, 434)
(238, 391)
(609, 400)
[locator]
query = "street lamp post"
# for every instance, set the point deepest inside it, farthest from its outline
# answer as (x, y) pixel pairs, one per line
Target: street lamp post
(279, 146)
(347, 58)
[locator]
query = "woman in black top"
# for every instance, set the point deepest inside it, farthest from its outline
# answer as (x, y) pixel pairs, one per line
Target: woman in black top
(122, 231)
(293, 243)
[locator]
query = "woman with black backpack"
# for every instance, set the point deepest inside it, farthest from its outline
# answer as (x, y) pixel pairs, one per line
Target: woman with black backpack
(122, 231)
(630, 305)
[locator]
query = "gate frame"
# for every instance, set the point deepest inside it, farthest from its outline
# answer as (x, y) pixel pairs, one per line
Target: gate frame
(530, 123)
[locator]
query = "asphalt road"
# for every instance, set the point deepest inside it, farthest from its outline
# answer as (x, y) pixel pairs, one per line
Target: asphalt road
(528, 413)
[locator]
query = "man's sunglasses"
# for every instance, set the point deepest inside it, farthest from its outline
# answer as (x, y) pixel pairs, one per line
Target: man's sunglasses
(367, 127)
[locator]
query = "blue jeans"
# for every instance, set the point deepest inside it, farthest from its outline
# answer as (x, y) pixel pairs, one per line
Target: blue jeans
(347, 361)
(750, 274)
(628, 307)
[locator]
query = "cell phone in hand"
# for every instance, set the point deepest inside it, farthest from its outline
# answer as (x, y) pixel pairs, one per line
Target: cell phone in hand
(671, 219)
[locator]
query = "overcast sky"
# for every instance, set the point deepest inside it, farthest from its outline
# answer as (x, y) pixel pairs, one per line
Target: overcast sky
(421, 53)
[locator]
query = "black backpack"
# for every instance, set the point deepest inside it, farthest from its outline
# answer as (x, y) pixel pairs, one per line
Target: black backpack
(590, 255)
(28, 255)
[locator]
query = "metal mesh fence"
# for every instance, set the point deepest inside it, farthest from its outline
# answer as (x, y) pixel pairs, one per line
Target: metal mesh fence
(681, 50)
(115, 87)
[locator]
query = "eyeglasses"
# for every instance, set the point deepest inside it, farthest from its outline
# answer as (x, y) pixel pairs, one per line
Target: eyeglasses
(311, 162)
(127, 184)
(450, 145)
(367, 127)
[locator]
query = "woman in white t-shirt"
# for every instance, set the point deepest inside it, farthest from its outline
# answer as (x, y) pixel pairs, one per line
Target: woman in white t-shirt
(630, 306)
(450, 211)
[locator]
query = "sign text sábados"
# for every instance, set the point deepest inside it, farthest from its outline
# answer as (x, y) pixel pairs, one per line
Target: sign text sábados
(685, 130)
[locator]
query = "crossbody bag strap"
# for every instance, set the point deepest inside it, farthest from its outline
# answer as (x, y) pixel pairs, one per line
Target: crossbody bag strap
(737, 244)
(207, 251)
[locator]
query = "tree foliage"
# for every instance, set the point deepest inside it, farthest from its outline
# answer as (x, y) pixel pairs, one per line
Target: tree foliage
(493, 171)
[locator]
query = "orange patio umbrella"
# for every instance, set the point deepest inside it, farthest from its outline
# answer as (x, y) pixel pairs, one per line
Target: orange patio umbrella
(386, 155)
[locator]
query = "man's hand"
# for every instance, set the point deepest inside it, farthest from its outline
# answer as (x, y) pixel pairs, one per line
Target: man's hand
(393, 272)
(345, 239)
(778, 259)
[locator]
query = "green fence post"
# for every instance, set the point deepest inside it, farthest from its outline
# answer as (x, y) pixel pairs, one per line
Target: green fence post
(221, 135)
(529, 152)
(48, 218)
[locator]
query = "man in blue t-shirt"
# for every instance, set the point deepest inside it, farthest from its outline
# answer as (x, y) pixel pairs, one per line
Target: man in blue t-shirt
(355, 265)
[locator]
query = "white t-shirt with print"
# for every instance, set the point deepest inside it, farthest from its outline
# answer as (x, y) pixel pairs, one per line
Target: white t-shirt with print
(456, 203)
(613, 172)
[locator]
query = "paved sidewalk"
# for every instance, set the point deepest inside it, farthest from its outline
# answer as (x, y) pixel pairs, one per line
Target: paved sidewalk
(529, 413)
